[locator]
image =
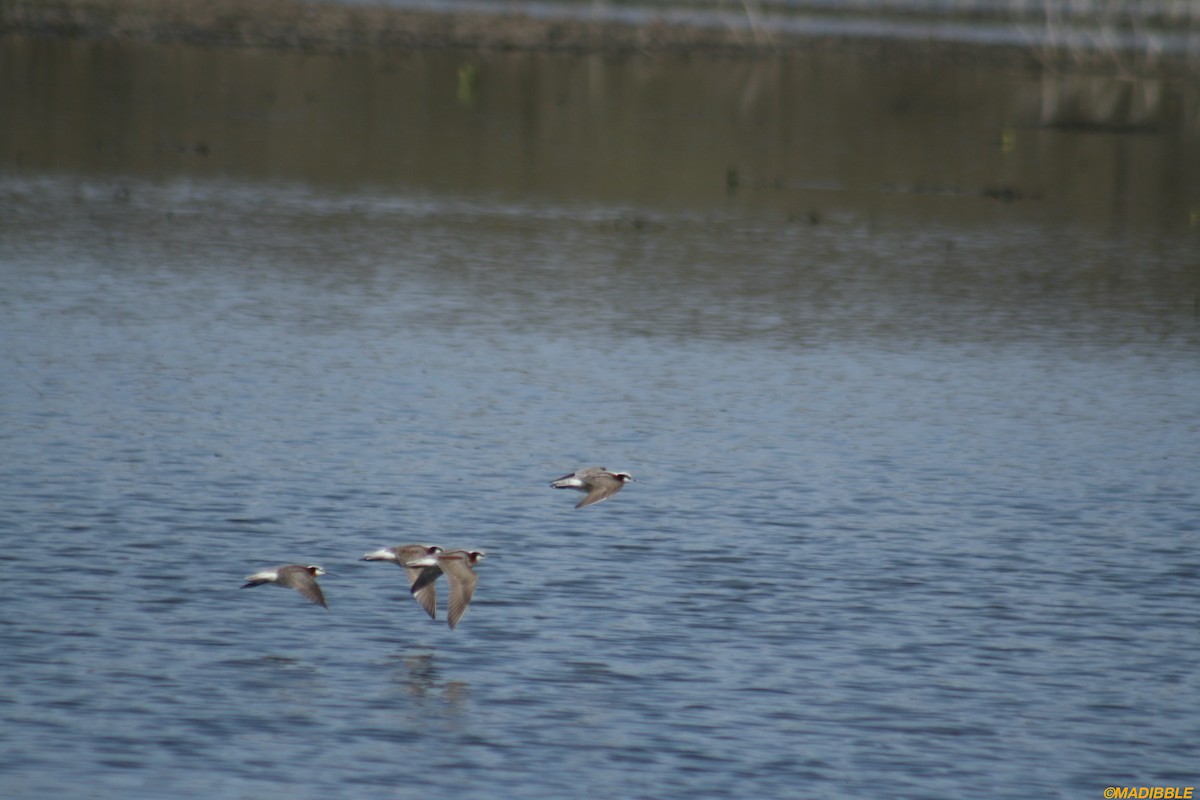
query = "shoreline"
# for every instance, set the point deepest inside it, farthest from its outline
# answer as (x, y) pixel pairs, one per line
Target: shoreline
(339, 27)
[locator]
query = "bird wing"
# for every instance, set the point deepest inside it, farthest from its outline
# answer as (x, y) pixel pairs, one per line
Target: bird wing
(297, 578)
(603, 486)
(462, 580)
(421, 584)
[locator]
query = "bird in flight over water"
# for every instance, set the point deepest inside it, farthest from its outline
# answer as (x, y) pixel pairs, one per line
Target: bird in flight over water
(459, 568)
(292, 576)
(599, 483)
(420, 579)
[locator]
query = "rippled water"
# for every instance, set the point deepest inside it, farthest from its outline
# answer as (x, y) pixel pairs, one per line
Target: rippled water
(917, 502)
(883, 543)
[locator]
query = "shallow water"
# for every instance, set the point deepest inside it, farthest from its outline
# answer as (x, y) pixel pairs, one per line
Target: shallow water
(916, 513)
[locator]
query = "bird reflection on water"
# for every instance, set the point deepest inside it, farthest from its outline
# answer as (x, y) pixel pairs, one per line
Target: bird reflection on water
(419, 676)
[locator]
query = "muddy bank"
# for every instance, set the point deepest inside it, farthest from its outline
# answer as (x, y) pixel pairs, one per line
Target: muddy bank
(325, 26)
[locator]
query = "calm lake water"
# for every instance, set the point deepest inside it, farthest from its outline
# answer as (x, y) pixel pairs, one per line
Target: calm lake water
(909, 375)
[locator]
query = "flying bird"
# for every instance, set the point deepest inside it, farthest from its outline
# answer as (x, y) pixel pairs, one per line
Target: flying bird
(459, 568)
(420, 579)
(292, 576)
(599, 483)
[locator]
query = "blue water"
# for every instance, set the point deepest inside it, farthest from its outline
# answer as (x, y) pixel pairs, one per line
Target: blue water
(917, 511)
